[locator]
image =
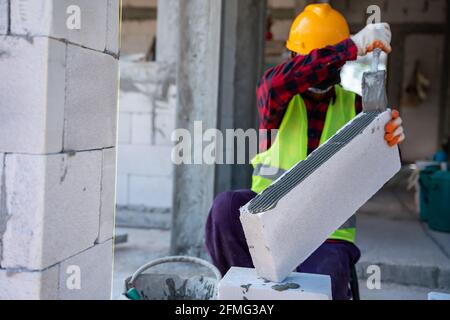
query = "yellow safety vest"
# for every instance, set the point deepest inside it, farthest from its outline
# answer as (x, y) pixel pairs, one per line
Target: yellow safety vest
(291, 145)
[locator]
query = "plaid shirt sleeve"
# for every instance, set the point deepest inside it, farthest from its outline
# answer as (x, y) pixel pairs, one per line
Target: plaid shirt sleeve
(282, 82)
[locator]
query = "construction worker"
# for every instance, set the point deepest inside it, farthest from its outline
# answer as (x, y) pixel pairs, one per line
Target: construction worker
(303, 91)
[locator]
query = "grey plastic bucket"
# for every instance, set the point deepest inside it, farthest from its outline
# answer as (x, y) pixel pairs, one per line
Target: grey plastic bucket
(157, 286)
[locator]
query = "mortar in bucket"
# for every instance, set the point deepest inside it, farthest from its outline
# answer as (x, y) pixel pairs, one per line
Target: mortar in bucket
(159, 286)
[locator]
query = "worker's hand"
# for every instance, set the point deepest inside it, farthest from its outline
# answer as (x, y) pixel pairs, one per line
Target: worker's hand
(374, 35)
(394, 130)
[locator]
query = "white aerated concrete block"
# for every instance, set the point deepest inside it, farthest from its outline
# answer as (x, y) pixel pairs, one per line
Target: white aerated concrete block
(150, 191)
(164, 126)
(91, 99)
(4, 17)
(113, 27)
(53, 204)
(124, 130)
(32, 94)
(141, 128)
(245, 284)
(82, 22)
(134, 101)
(282, 237)
(29, 285)
(144, 160)
(94, 268)
(108, 195)
(122, 189)
(438, 296)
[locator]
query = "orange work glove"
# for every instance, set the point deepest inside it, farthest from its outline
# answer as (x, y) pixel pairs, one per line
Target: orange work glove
(394, 130)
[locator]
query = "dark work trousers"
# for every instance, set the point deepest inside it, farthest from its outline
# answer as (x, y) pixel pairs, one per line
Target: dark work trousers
(225, 242)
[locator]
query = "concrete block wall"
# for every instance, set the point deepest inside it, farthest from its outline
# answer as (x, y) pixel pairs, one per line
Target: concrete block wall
(58, 118)
(146, 122)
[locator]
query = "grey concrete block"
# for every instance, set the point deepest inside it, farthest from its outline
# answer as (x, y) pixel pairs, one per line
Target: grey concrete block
(91, 100)
(32, 94)
(94, 267)
(53, 205)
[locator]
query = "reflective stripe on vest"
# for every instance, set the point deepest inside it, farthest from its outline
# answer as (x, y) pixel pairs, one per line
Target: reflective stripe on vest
(291, 145)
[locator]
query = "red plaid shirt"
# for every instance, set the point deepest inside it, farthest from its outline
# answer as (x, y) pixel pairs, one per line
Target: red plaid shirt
(281, 83)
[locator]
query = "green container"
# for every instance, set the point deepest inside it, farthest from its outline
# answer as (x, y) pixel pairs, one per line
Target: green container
(425, 186)
(439, 214)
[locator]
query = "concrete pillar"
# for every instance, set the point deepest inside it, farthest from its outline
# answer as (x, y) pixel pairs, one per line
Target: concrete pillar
(241, 67)
(167, 36)
(57, 152)
(197, 100)
(219, 62)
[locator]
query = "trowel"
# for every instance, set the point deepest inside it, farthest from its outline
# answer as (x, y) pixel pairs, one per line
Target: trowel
(374, 86)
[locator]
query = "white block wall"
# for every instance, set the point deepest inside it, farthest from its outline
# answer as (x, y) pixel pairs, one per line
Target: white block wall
(58, 107)
(146, 122)
(53, 201)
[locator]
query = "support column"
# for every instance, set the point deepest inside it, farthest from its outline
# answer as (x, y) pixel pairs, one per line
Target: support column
(242, 62)
(197, 100)
(57, 152)
(219, 62)
(167, 35)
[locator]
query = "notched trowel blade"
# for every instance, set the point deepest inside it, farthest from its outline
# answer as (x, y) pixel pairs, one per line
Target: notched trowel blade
(374, 91)
(374, 87)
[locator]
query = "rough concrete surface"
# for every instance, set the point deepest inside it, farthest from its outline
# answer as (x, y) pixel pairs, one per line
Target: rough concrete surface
(378, 247)
(407, 251)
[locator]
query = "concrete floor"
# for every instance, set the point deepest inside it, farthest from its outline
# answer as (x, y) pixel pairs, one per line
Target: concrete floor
(413, 259)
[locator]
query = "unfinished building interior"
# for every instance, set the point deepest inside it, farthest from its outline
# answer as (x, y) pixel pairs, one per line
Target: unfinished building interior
(86, 123)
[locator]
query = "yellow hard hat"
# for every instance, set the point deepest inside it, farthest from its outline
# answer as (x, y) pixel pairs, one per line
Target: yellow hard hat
(318, 26)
